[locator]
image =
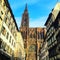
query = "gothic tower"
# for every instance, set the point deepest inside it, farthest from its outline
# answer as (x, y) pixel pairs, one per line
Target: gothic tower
(31, 36)
(25, 26)
(25, 18)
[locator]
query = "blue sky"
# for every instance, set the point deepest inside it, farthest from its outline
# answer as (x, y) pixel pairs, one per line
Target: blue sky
(38, 10)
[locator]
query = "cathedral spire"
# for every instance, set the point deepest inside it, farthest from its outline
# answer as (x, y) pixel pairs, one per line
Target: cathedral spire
(25, 26)
(26, 7)
(25, 18)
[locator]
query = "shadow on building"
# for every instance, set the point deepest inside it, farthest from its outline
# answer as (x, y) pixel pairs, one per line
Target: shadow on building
(4, 56)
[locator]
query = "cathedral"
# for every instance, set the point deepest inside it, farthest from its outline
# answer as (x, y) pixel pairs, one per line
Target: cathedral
(33, 37)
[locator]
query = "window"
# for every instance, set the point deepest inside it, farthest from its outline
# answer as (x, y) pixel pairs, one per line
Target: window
(49, 42)
(3, 31)
(12, 42)
(1, 12)
(9, 25)
(7, 35)
(10, 39)
(5, 19)
(42, 35)
(0, 17)
(52, 39)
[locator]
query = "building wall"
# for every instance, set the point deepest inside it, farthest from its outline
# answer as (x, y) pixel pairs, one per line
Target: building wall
(32, 42)
(44, 52)
(34, 39)
(8, 28)
(19, 50)
(53, 29)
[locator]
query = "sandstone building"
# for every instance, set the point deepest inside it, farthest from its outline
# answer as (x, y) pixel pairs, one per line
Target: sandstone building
(10, 37)
(33, 37)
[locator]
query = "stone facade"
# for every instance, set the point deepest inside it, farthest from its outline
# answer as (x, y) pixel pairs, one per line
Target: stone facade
(10, 37)
(8, 31)
(32, 37)
(53, 33)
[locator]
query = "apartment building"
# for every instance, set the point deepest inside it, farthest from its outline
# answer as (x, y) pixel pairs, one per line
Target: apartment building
(53, 33)
(8, 31)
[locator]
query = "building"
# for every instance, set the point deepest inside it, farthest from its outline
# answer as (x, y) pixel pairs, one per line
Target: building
(32, 37)
(8, 32)
(19, 53)
(53, 33)
(44, 51)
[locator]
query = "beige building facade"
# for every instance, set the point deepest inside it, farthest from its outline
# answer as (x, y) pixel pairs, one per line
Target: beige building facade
(11, 41)
(19, 50)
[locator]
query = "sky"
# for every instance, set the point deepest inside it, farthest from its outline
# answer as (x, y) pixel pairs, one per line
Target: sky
(38, 10)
